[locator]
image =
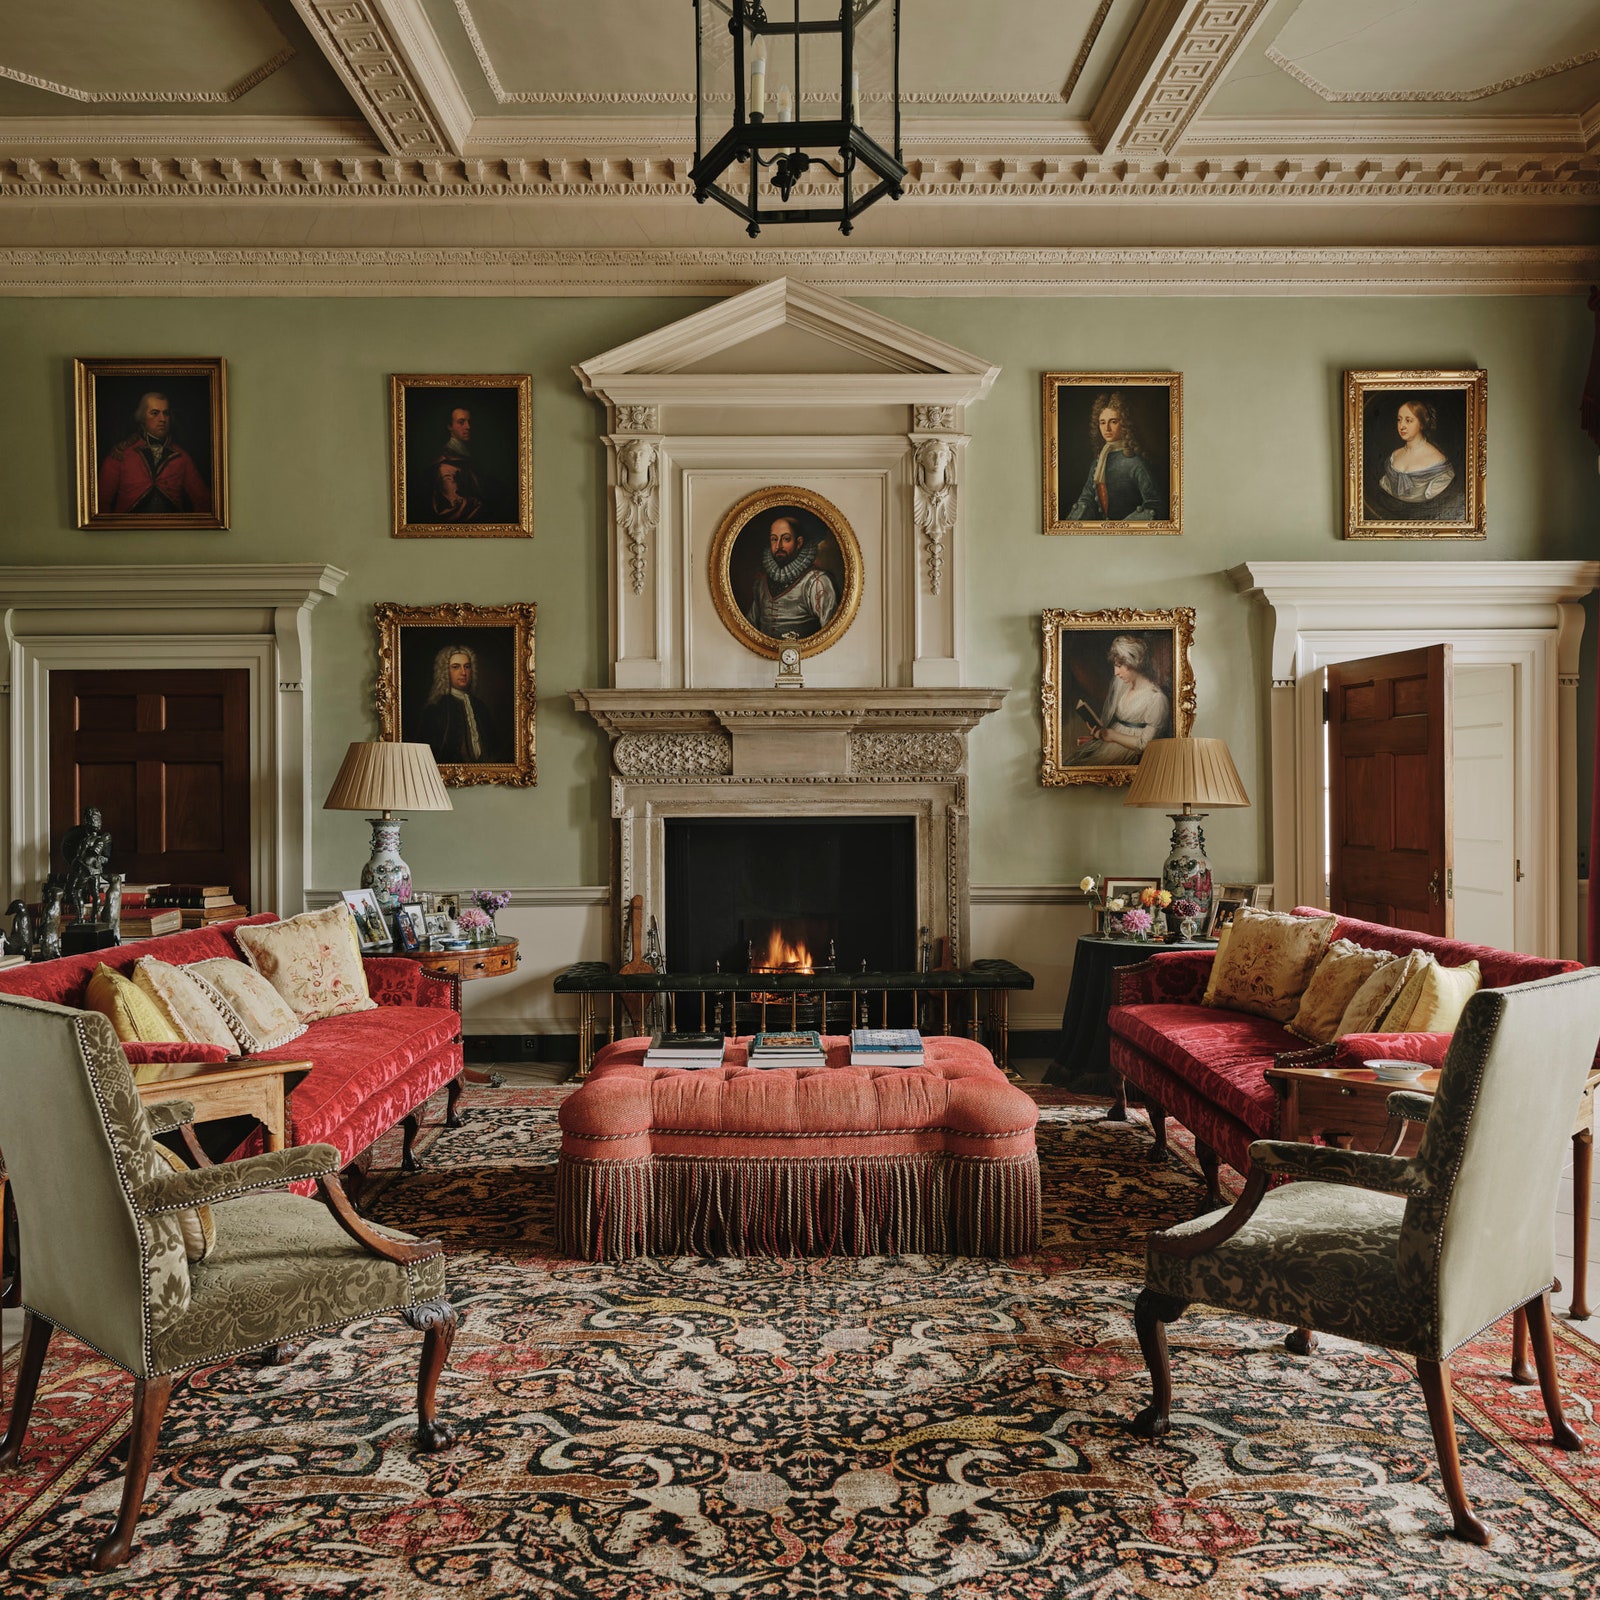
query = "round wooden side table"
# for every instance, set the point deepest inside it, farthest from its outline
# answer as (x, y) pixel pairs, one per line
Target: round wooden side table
(457, 967)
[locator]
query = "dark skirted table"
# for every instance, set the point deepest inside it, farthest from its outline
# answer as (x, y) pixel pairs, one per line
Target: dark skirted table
(1083, 1058)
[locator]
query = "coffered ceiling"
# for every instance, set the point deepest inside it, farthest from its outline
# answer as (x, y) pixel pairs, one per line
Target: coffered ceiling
(1035, 131)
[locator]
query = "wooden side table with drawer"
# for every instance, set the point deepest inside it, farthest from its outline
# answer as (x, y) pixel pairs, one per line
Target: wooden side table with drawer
(457, 967)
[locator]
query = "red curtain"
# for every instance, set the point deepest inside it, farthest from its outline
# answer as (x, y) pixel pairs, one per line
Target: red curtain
(1589, 416)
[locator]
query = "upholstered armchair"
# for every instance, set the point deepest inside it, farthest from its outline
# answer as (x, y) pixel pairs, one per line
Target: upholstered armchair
(115, 1234)
(1421, 1254)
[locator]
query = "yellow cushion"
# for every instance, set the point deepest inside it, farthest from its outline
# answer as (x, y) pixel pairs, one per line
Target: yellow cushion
(183, 1003)
(1340, 973)
(1216, 963)
(313, 961)
(1268, 963)
(133, 1013)
(1397, 1017)
(1374, 997)
(254, 1011)
(198, 1226)
(1444, 995)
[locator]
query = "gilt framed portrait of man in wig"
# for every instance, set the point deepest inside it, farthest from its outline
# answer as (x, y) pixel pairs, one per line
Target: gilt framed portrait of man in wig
(786, 571)
(152, 446)
(1113, 452)
(459, 679)
(461, 455)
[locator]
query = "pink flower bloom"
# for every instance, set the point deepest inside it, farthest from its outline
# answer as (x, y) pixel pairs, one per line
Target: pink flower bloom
(1136, 921)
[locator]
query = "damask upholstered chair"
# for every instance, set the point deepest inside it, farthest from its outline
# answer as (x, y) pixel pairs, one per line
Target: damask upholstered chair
(111, 1233)
(1419, 1255)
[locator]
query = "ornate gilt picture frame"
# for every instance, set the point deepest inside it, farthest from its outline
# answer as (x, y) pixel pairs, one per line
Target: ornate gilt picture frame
(786, 571)
(459, 678)
(1113, 452)
(1416, 453)
(461, 455)
(1113, 680)
(152, 443)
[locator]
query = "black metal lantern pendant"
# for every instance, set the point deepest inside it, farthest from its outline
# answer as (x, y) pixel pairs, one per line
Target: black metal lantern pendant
(771, 141)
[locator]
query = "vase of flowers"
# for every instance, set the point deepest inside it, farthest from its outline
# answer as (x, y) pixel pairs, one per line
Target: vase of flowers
(490, 901)
(476, 926)
(1136, 923)
(1188, 912)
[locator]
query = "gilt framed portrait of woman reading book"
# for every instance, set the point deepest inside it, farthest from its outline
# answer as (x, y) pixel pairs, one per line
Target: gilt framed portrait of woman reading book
(1113, 681)
(1415, 453)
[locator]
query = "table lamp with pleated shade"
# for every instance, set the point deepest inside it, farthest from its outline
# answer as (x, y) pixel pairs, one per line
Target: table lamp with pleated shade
(1175, 776)
(385, 777)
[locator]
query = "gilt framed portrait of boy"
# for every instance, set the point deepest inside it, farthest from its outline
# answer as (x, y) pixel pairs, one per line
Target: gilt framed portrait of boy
(1415, 454)
(1113, 452)
(461, 455)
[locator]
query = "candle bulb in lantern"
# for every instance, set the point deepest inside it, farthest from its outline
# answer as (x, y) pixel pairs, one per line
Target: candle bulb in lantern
(758, 83)
(785, 104)
(855, 98)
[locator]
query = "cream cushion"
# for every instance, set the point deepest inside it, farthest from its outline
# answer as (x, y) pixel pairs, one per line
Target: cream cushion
(1343, 969)
(1268, 963)
(252, 1008)
(1375, 996)
(1432, 998)
(313, 961)
(1216, 962)
(183, 1002)
(132, 1013)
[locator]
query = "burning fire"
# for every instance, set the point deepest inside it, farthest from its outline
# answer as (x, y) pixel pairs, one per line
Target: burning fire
(781, 956)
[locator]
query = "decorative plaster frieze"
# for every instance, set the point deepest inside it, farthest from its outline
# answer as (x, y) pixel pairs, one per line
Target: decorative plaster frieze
(933, 419)
(163, 97)
(637, 499)
(933, 492)
(638, 419)
(673, 755)
(906, 754)
(1424, 96)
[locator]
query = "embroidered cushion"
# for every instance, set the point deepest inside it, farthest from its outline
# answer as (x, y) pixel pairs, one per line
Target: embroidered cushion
(183, 1003)
(313, 961)
(198, 1225)
(1268, 962)
(131, 1012)
(253, 1010)
(1340, 973)
(1375, 996)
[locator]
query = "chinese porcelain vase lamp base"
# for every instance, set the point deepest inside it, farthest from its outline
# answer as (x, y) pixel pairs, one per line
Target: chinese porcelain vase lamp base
(387, 777)
(1175, 776)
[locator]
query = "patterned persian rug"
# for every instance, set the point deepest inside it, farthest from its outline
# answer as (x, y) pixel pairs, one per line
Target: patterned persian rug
(855, 1428)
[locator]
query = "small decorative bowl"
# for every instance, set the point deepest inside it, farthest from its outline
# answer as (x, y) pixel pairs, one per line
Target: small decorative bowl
(1397, 1071)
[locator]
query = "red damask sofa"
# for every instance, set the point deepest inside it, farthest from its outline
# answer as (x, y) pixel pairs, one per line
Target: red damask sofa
(370, 1069)
(1207, 1066)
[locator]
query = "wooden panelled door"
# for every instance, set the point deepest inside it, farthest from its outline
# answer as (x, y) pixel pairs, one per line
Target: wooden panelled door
(1390, 822)
(166, 758)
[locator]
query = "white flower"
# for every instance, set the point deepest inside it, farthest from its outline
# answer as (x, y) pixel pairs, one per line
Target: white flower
(1087, 884)
(1119, 904)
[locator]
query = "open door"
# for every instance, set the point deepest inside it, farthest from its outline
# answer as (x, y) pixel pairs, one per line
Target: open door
(1390, 812)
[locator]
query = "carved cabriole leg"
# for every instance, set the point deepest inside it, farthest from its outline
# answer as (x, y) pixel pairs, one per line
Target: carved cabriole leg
(275, 1355)
(1521, 1368)
(1301, 1341)
(1158, 1127)
(1435, 1379)
(1582, 1176)
(150, 1396)
(410, 1126)
(1119, 1106)
(353, 1178)
(36, 1333)
(437, 1319)
(1151, 1314)
(453, 1089)
(10, 1287)
(1210, 1162)
(1544, 1356)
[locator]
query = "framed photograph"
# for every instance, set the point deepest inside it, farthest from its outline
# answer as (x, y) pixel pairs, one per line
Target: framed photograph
(411, 923)
(152, 445)
(459, 678)
(444, 902)
(438, 923)
(786, 572)
(1128, 888)
(372, 927)
(1222, 910)
(1113, 681)
(1113, 452)
(1416, 449)
(1258, 895)
(461, 451)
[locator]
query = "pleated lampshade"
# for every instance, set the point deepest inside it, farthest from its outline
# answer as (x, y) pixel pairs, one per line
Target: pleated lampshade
(1180, 772)
(384, 776)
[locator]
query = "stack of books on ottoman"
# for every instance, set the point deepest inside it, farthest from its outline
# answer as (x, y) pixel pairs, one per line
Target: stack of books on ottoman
(685, 1050)
(800, 1049)
(886, 1047)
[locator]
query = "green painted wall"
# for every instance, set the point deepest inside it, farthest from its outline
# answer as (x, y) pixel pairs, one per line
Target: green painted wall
(1262, 481)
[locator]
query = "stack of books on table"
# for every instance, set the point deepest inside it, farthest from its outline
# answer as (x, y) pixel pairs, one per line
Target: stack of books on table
(198, 904)
(886, 1047)
(141, 923)
(801, 1049)
(685, 1050)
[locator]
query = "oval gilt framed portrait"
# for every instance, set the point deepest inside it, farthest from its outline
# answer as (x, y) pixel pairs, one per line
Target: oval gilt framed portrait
(786, 571)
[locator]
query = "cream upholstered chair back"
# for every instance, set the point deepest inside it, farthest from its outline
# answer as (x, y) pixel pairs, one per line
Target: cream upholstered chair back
(78, 1150)
(1482, 1238)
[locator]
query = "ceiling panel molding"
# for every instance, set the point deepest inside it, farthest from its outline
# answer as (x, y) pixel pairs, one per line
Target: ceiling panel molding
(1545, 131)
(208, 132)
(1177, 56)
(1424, 96)
(159, 97)
(393, 65)
(1043, 272)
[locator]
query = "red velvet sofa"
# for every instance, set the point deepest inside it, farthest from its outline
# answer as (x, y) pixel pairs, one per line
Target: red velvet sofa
(370, 1069)
(1207, 1066)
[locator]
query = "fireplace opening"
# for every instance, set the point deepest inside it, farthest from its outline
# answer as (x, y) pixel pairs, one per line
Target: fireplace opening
(790, 894)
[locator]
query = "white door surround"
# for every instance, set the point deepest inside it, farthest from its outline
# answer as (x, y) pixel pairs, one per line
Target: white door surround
(1527, 614)
(255, 616)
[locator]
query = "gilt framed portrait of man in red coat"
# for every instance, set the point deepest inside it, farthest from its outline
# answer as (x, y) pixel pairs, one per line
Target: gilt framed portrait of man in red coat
(152, 443)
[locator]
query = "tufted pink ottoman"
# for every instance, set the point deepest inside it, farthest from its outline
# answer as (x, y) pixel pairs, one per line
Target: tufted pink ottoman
(736, 1161)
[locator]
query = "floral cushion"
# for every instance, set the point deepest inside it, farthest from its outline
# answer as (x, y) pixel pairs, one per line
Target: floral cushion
(313, 961)
(184, 1003)
(1340, 973)
(1268, 963)
(255, 1014)
(1375, 996)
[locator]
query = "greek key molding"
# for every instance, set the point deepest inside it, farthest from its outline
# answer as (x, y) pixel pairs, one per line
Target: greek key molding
(188, 97)
(1423, 96)
(907, 754)
(654, 756)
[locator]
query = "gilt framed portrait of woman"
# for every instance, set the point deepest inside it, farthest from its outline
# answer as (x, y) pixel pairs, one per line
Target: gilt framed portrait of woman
(1113, 681)
(1415, 454)
(1113, 452)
